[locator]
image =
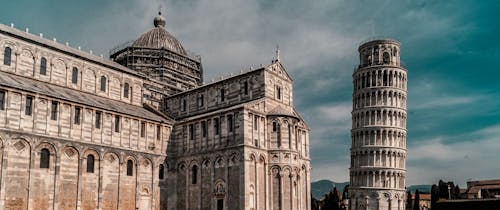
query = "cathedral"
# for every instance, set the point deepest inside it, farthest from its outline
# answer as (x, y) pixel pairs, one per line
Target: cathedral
(141, 130)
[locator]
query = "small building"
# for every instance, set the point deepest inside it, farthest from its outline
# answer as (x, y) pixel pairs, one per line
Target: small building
(468, 204)
(483, 189)
(424, 201)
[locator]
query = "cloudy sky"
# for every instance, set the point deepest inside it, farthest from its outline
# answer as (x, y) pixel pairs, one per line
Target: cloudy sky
(449, 48)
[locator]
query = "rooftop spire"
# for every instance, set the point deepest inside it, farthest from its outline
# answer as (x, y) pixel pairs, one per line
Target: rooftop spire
(277, 53)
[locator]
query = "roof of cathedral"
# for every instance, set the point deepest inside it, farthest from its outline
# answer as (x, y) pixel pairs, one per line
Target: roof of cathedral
(159, 38)
(23, 83)
(281, 111)
(66, 49)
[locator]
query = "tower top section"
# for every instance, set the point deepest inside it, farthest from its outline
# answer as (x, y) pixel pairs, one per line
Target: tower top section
(376, 52)
(375, 41)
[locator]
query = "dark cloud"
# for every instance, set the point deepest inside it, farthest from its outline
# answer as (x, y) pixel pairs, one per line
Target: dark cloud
(448, 47)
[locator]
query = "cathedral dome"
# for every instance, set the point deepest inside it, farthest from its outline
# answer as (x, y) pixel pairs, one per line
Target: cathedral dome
(159, 38)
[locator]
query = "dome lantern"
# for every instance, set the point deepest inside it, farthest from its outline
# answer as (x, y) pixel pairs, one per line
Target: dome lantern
(159, 20)
(159, 38)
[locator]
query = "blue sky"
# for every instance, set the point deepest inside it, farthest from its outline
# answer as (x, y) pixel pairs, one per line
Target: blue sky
(449, 47)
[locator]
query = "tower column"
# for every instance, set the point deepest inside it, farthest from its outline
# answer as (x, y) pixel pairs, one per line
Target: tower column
(379, 102)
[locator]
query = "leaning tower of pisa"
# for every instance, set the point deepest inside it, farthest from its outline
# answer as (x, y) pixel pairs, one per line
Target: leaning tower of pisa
(378, 150)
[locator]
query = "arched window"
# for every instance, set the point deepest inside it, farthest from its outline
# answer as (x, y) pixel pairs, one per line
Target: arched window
(245, 87)
(43, 66)
(289, 136)
(194, 174)
(28, 108)
(44, 158)
(2, 100)
(220, 204)
(230, 123)
(385, 78)
(90, 164)
(222, 94)
(6, 56)
(161, 172)
(386, 58)
(143, 129)
(252, 197)
(278, 135)
(74, 76)
(216, 126)
(125, 90)
(130, 168)
(278, 92)
(277, 129)
(103, 83)
(158, 132)
(117, 124)
(296, 138)
(201, 100)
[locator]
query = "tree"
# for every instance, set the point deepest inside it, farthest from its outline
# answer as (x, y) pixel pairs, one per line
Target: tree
(434, 195)
(314, 203)
(416, 202)
(331, 200)
(345, 196)
(408, 200)
(345, 193)
(486, 194)
(443, 189)
(456, 192)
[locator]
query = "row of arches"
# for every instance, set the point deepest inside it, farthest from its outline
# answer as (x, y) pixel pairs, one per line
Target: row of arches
(394, 98)
(380, 195)
(383, 117)
(203, 181)
(379, 54)
(193, 102)
(209, 132)
(67, 174)
(381, 137)
(378, 158)
(285, 186)
(287, 133)
(66, 73)
(379, 179)
(218, 161)
(281, 132)
(37, 114)
(47, 151)
(288, 187)
(380, 202)
(380, 78)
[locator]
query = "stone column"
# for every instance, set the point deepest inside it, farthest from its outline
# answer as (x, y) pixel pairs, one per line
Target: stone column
(79, 184)
(99, 194)
(56, 180)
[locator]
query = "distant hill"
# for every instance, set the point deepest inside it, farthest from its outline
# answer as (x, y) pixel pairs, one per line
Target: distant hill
(421, 188)
(321, 187)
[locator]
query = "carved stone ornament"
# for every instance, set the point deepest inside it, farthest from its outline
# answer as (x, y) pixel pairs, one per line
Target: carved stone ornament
(19, 145)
